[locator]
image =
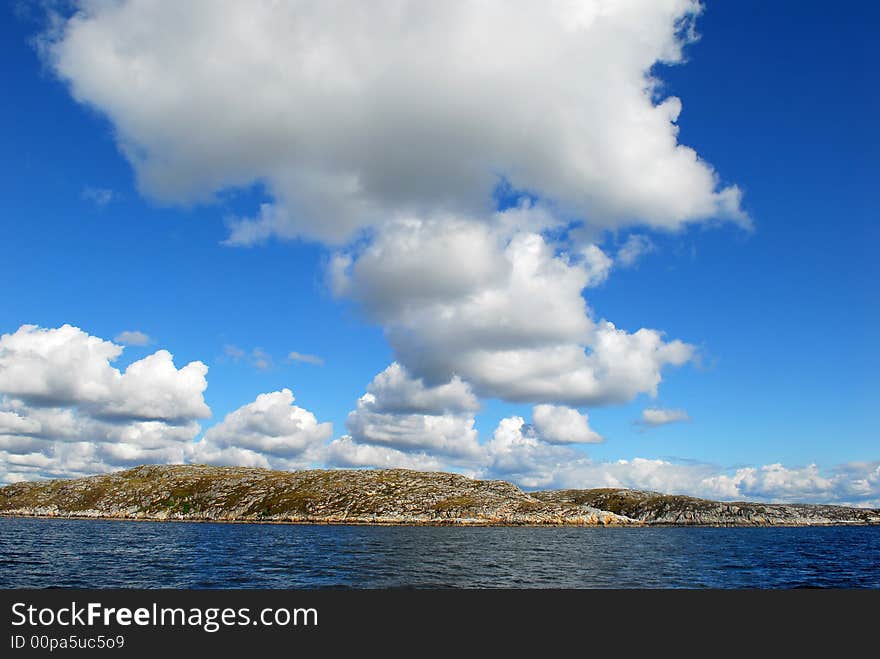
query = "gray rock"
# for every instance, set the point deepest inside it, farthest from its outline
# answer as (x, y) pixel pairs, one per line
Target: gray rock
(658, 509)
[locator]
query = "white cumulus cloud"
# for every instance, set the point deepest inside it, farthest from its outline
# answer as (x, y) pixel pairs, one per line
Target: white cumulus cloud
(68, 367)
(269, 432)
(66, 410)
(355, 114)
(511, 320)
(517, 453)
(402, 419)
(563, 425)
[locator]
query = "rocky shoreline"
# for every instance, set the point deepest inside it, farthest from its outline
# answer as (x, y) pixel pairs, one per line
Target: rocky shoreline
(199, 493)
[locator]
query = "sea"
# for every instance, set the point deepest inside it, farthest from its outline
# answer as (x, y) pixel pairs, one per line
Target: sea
(62, 553)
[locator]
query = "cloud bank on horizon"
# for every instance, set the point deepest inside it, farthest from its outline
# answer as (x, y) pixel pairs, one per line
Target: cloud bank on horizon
(387, 133)
(66, 411)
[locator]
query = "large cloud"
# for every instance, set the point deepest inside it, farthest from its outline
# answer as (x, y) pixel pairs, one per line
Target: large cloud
(66, 410)
(395, 124)
(354, 114)
(269, 432)
(510, 319)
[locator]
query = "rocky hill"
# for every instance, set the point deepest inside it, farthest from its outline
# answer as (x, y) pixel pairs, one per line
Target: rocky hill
(389, 496)
(659, 509)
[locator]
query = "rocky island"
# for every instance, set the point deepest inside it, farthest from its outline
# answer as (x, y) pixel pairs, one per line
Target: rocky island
(386, 496)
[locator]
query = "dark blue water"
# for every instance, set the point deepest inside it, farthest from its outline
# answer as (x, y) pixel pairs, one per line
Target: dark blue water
(40, 553)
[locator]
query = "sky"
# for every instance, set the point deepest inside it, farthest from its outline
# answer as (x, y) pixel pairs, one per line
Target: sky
(566, 244)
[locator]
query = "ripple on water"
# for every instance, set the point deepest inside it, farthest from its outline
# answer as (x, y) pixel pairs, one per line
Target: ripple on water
(41, 553)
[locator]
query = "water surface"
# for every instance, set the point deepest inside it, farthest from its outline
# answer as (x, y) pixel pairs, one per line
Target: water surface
(42, 553)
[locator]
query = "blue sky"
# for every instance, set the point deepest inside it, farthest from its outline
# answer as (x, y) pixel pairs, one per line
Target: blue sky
(778, 97)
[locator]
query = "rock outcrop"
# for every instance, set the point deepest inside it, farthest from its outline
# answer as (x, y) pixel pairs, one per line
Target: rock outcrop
(659, 509)
(387, 496)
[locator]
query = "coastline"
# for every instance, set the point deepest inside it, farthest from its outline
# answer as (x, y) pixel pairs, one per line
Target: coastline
(454, 523)
(351, 521)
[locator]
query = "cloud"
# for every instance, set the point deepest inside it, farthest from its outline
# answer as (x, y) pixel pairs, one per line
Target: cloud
(517, 453)
(847, 484)
(535, 455)
(269, 432)
(66, 411)
(408, 264)
(597, 265)
(401, 420)
(261, 360)
(352, 116)
(635, 247)
(68, 367)
(55, 425)
(563, 425)
(305, 358)
(385, 133)
(133, 338)
(345, 452)
(234, 352)
(653, 417)
(510, 320)
(56, 459)
(395, 391)
(257, 357)
(98, 196)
